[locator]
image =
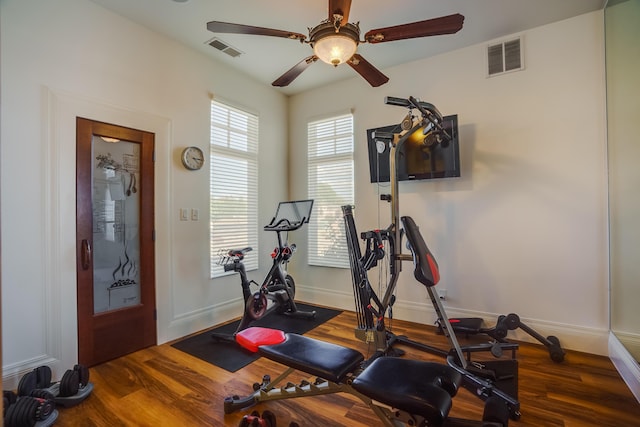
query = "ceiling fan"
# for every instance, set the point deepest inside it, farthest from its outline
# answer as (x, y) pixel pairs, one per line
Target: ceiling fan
(335, 40)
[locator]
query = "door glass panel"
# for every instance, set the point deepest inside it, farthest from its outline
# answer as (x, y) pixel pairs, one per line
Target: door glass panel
(116, 213)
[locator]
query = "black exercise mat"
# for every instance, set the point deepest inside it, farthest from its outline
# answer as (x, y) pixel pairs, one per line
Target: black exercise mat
(230, 356)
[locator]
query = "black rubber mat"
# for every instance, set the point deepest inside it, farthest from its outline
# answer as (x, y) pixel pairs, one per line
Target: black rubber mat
(230, 356)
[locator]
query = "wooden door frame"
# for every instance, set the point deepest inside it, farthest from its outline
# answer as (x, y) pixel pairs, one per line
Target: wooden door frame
(88, 322)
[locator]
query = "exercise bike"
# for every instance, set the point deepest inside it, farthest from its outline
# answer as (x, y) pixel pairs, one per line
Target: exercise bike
(278, 289)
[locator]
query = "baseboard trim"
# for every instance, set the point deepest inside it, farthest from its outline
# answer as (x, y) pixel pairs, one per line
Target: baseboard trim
(11, 374)
(572, 337)
(203, 318)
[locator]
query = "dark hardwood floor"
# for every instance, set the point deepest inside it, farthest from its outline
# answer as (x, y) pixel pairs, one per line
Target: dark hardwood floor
(162, 386)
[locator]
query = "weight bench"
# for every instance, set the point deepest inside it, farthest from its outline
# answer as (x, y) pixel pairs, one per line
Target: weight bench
(401, 392)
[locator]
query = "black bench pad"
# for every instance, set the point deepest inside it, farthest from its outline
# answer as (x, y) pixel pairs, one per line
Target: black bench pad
(318, 358)
(417, 387)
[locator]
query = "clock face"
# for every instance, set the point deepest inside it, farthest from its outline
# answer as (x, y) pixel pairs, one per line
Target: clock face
(192, 158)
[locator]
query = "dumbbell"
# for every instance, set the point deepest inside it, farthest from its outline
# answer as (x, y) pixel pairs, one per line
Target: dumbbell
(73, 379)
(40, 378)
(268, 419)
(26, 411)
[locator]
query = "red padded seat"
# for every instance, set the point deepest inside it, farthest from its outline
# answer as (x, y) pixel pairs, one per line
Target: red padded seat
(254, 337)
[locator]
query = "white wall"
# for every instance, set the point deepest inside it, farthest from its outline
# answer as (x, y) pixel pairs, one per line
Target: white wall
(71, 57)
(524, 229)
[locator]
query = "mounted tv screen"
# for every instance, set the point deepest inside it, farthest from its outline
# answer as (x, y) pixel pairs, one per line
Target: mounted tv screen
(421, 156)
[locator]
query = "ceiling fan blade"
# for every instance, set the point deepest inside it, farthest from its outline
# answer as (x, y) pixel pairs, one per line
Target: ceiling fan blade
(226, 27)
(339, 7)
(294, 72)
(368, 71)
(431, 27)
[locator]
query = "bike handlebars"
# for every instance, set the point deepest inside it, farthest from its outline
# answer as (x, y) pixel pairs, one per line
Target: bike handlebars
(284, 225)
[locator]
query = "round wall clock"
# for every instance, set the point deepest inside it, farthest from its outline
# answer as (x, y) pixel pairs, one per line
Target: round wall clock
(192, 158)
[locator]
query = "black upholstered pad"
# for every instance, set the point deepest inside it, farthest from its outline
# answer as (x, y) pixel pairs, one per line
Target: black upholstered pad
(426, 268)
(318, 358)
(417, 387)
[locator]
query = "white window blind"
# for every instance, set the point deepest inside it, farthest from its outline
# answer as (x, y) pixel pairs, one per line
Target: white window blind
(234, 184)
(330, 162)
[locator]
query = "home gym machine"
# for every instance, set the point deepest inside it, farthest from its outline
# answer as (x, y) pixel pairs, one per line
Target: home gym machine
(278, 289)
(488, 379)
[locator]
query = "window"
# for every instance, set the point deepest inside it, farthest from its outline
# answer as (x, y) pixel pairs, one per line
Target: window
(330, 162)
(234, 184)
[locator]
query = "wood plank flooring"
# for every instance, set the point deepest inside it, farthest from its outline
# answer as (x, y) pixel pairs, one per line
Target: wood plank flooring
(162, 386)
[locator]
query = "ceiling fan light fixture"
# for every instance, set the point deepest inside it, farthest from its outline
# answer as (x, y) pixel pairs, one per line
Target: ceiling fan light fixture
(335, 40)
(334, 47)
(335, 50)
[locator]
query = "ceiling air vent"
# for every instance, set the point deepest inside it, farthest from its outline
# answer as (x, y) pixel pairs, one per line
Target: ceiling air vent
(224, 47)
(504, 57)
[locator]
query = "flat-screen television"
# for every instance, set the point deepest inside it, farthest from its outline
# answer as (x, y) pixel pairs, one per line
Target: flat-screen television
(424, 155)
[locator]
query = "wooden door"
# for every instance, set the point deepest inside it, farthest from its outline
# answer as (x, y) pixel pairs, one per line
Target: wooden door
(115, 241)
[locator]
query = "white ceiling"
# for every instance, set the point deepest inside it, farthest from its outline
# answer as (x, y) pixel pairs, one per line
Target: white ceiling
(266, 58)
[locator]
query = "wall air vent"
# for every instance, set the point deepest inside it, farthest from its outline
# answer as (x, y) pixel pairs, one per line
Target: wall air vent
(224, 47)
(504, 57)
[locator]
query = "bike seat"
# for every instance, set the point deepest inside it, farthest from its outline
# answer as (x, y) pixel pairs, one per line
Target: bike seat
(240, 252)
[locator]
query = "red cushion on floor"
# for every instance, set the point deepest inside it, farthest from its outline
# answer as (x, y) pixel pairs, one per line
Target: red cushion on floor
(254, 337)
